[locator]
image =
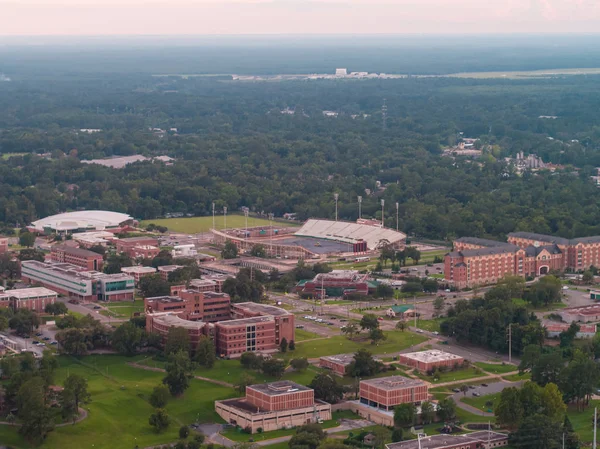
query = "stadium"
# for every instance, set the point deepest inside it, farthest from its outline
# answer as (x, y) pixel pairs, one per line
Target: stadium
(314, 240)
(82, 221)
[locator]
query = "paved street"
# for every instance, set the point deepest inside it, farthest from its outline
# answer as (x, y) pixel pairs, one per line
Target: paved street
(492, 388)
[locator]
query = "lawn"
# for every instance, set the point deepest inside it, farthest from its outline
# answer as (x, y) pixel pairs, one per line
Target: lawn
(583, 422)
(339, 344)
(517, 377)
(125, 309)
(430, 325)
(479, 402)
(450, 376)
(302, 335)
(496, 368)
(119, 411)
(192, 225)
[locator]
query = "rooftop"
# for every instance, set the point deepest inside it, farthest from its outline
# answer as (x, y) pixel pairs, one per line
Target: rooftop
(25, 293)
(481, 242)
(341, 359)
(137, 239)
(243, 321)
(534, 251)
(279, 387)
(539, 237)
(393, 382)
(138, 269)
(173, 320)
(261, 308)
(80, 252)
(164, 299)
(67, 269)
(593, 309)
(508, 248)
(86, 219)
(561, 327)
(443, 441)
(169, 268)
(433, 355)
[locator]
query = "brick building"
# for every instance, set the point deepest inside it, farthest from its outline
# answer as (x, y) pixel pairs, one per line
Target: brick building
(77, 256)
(337, 363)
(124, 245)
(143, 252)
(477, 261)
(483, 439)
(76, 282)
(165, 270)
(428, 360)
(192, 305)
(387, 392)
(335, 283)
(582, 314)
(554, 330)
(137, 272)
(34, 298)
(3, 245)
(272, 406)
(160, 323)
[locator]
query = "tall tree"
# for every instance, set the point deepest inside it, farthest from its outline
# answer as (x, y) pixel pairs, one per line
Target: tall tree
(229, 251)
(509, 411)
(180, 370)
(327, 388)
(536, 432)
(75, 392)
(160, 420)
(35, 416)
(206, 353)
(404, 414)
(127, 338)
(369, 321)
(178, 340)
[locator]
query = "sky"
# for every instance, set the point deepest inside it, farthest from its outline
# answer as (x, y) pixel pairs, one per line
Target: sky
(210, 17)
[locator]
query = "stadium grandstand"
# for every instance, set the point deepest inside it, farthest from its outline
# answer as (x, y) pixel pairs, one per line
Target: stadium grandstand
(82, 221)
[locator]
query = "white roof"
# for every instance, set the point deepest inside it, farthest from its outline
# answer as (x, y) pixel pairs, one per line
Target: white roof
(343, 231)
(26, 293)
(92, 219)
(138, 269)
(432, 355)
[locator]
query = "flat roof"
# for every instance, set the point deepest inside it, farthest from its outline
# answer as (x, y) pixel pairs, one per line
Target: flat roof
(67, 269)
(164, 299)
(138, 269)
(593, 309)
(170, 268)
(262, 308)
(279, 387)
(340, 359)
(443, 441)
(393, 382)
(241, 321)
(77, 251)
(25, 293)
(432, 355)
(561, 327)
(174, 320)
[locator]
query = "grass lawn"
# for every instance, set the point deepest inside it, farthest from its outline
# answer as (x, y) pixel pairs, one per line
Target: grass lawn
(126, 309)
(479, 402)
(450, 376)
(191, 225)
(517, 377)
(496, 368)
(302, 335)
(119, 411)
(583, 422)
(465, 417)
(430, 325)
(339, 344)
(436, 275)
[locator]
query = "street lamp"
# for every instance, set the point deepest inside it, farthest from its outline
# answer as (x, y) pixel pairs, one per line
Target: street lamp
(224, 217)
(213, 207)
(359, 207)
(336, 197)
(382, 216)
(397, 215)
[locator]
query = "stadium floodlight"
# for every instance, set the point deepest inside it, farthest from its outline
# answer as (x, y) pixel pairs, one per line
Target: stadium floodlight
(246, 215)
(336, 196)
(214, 215)
(224, 217)
(359, 207)
(397, 214)
(382, 216)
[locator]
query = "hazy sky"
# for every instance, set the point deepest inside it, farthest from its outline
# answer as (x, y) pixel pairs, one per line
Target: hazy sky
(107, 17)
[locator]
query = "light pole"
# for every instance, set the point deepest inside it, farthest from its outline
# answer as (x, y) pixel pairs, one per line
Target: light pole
(359, 207)
(246, 215)
(336, 197)
(213, 205)
(382, 216)
(271, 233)
(397, 215)
(224, 217)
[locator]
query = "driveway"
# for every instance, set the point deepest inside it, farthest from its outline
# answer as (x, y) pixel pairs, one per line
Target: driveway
(492, 388)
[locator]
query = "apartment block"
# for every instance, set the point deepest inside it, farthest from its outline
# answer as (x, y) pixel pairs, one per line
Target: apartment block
(80, 257)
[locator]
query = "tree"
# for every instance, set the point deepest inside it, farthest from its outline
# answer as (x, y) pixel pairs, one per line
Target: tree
(587, 277)
(283, 345)
(579, 379)
(438, 304)
(57, 308)
(206, 353)
(164, 257)
(24, 321)
(74, 341)
(273, 368)
(548, 369)
(180, 370)
(159, 420)
(363, 365)
(510, 411)
(26, 239)
(184, 432)
(31, 254)
(571, 438)
(568, 337)
(384, 291)
(430, 286)
(251, 360)
(47, 367)
(308, 436)
(376, 335)
(404, 414)
(299, 364)
(160, 396)
(350, 330)
(178, 340)
(536, 432)
(530, 356)
(292, 345)
(552, 403)
(369, 321)
(427, 412)
(230, 250)
(153, 285)
(98, 249)
(327, 388)
(258, 250)
(464, 389)
(115, 262)
(127, 339)
(75, 392)
(401, 325)
(244, 381)
(35, 416)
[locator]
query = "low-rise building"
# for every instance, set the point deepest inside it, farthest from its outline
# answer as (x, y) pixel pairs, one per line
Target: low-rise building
(166, 270)
(76, 282)
(124, 245)
(33, 298)
(403, 312)
(80, 257)
(482, 439)
(335, 283)
(337, 363)
(137, 272)
(277, 405)
(583, 314)
(554, 330)
(428, 360)
(188, 250)
(192, 305)
(3, 244)
(143, 252)
(388, 392)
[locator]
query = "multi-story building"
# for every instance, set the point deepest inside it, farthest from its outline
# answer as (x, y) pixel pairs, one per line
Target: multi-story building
(554, 330)
(247, 326)
(3, 245)
(387, 392)
(272, 406)
(337, 364)
(80, 257)
(137, 272)
(335, 283)
(77, 282)
(428, 360)
(34, 298)
(143, 252)
(160, 323)
(128, 245)
(477, 261)
(166, 270)
(483, 439)
(193, 305)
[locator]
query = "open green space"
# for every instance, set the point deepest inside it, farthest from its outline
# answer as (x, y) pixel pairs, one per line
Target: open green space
(6, 156)
(430, 325)
(583, 422)
(126, 309)
(302, 335)
(496, 368)
(120, 407)
(339, 344)
(451, 376)
(191, 225)
(517, 377)
(479, 402)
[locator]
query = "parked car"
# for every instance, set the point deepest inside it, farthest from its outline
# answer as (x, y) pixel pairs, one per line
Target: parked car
(484, 385)
(46, 338)
(299, 326)
(472, 387)
(54, 343)
(39, 334)
(476, 394)
(97, 307)
(456, 390)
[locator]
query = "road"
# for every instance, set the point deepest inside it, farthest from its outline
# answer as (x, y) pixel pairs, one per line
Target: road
(492, 388)
(25, 343)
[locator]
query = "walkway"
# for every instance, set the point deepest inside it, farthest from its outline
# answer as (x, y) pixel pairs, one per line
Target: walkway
(161, 370)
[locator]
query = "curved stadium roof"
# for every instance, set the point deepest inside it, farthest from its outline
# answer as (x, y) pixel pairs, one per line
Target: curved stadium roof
(82, 220)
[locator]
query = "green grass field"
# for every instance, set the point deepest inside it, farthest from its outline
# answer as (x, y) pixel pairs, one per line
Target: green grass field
(517, 377)
(119, 411)
(125, 309)
(479, 402)
(191, 225)
(451, 376)
(339, 344)
(430, 325)
(583, 422)
(302, 335)
(496, 368)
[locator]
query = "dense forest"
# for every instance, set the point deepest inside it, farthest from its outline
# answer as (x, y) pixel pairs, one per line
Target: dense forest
(232, 145)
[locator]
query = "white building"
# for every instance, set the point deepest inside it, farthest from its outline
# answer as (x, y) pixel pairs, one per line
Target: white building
(341, 72)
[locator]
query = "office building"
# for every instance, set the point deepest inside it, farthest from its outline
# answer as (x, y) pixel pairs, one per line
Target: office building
(387, 392)
(428, 360)
(89, 260)
(483, 439)
(34, 298)
(137, 272)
